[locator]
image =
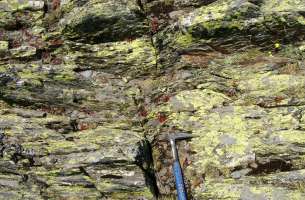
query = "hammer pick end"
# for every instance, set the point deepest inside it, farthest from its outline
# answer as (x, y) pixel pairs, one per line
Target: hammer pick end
(181, 136)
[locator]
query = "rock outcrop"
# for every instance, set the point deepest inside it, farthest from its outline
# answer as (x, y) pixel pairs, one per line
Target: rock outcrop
(90, 89)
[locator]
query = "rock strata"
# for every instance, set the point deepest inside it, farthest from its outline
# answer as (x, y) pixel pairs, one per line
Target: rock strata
(90, 90)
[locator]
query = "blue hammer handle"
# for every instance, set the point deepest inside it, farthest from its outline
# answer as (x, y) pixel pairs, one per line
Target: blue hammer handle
(179, 181)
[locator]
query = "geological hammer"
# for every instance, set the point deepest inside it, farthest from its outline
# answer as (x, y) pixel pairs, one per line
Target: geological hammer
(180, 187)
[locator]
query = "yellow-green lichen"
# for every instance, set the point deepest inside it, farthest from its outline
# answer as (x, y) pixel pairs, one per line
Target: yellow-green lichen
(23, 51)
(140, 48)
(301, 20)
(106, 136)
(218, 15)
(146, 194)
(184, 40)
(119, 191)
(3, 46)
(3, 68)
(228, 131)
(116, 15)
(267, 84)
(71, 192)
(65, 77)
(243, 57)
(139, 55)
(283, 6)
(291, 136)
(233, 190)
(190, 100)
(16, 5)
(227, 138)
(31, 77)
(56, 147)
(215, 11)
(200, 99)
(133, 49)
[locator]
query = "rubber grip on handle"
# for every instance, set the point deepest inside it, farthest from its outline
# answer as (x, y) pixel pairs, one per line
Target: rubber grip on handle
(179, 181)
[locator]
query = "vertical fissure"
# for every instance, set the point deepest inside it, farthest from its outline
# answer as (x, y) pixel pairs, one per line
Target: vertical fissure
(145, 161)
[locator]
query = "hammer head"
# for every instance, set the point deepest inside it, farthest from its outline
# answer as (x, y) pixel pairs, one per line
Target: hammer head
(180, 136)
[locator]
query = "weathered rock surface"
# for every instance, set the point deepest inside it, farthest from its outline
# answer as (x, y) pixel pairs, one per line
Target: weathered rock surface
(105, 21)
(90, 90)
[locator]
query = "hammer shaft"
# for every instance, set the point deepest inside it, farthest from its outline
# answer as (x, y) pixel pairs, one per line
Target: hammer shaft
(181, 193)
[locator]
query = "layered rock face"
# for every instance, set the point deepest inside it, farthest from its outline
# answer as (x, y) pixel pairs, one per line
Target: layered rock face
(90, 89)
